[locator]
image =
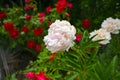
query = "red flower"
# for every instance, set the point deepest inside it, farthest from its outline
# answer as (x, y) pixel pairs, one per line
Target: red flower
(38, 47)
(3, 15)
(78, 37)
(67, 15)
(70, 5)
(61, 4)
(42, 14)
(31, 44)
(48, 9)
(28, 7)
(27, 17)
(14, 33)
(51, 58)
(30, 75)
(8, 26)
(41, 76)
(41, 19)
(38, 31)
(49, 23)
(25, 29)
(27, 1)
(86, 23)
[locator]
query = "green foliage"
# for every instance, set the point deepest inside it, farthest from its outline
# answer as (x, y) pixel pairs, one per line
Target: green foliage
(108, 71)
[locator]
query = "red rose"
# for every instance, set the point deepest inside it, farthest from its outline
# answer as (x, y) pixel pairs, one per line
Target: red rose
(27, 1)
(31, 44)
(42, 14)
(25, 29)
(41, 19)
(38, 47)
(41, 76)
(67, 15)
(61, 4)
(8, 26)
(27, 17)
(38, 31)
(29, 7)
(70, 5)
(51, 58)
(78, 37)
(86, 23)
(48, 9)
(14, 33)
(3, 15)
(49, 23)
(30, 75)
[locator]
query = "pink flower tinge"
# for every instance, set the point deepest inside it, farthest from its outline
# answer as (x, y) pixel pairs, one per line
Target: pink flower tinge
(61, 35)
(48, 9)
(78, 37)
(30, 75)
(67, 15)
(41, 19)
(41, 76)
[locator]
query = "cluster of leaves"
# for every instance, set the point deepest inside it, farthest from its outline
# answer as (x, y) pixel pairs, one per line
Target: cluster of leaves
(82, 62)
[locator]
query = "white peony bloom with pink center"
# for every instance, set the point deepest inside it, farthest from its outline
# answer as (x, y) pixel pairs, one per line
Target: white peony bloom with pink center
(111, 25)
(61, 35)
(101, 34)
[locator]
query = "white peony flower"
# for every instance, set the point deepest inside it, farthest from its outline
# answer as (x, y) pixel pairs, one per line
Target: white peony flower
(101, 34)
(60, 36)
(111, 25)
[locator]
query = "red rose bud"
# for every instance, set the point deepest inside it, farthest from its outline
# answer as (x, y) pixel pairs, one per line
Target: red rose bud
(61, 4)
(41, 76)
(14, 33)
(27, 1)
(27, 17)
(86, 23)
(38, 31)
(78, 37)
(30, 75)
(70, 5)
(38, 47)
(48, 9)
(8, 26)
(3, 15)
(31, 44)
(25, 29)
(29, 7)
(41, 19)
(42, 14)
(67, 15)
(51, 58)
(49, 23)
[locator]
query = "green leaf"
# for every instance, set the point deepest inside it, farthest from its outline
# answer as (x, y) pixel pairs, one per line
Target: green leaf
(71, 76)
